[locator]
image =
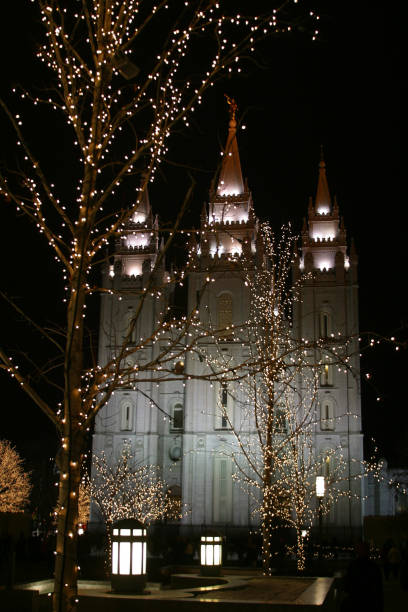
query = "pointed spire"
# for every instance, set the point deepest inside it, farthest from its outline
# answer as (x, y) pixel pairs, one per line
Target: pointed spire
(144, 210)
(323, 201)
(230, 180)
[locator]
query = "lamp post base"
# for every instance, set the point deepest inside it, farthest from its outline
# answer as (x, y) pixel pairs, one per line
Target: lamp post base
(210, 570)
(128, 584)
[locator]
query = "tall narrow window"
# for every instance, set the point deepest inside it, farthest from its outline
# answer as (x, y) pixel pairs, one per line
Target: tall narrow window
(328, 464)
(222, 489)
(327, 467)
(224, 311)
(326, 376)
(177, 417)
(280, 421)
(327, 415)
(129, 327)
(224, 406)
(126, 415)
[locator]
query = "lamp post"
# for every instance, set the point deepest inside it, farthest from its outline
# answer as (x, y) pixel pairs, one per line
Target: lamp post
(129, 539)
(320, 491)
(211, 555)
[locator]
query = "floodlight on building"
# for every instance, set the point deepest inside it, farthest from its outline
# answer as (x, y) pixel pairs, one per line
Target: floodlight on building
(320, 486)
(320, 491)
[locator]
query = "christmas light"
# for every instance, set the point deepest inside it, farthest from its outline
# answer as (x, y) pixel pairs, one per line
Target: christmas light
(100, 95)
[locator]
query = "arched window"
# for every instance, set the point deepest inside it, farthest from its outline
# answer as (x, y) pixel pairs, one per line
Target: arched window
(328, 464)
(126, 415)
(325, 323)
(222, 489)
(327, 415)
(224, 406)
(224, 310)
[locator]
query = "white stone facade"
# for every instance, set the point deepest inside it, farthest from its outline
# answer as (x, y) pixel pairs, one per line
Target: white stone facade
(177, 424)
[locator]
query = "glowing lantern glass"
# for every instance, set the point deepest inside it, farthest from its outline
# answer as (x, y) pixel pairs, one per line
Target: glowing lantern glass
(129, 547)
(211, 555)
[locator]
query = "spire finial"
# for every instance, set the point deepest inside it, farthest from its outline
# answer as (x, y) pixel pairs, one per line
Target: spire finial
(233, 107)
(230, 180)
(322, 163)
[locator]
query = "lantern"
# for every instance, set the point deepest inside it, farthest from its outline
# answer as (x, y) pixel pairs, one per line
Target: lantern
(128, 556)
(211, 555)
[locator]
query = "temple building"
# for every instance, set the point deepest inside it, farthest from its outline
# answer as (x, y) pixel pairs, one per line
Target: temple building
(184, 425)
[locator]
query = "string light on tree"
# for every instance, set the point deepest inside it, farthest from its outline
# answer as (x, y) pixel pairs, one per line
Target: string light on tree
(100, 97)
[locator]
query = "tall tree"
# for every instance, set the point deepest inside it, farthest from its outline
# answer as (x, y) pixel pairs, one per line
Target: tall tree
(276, 402)
(124, 76)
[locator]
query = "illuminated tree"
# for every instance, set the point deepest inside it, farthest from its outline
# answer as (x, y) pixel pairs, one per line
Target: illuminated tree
(124, 75)
(273, 434)
(126, 490)
(15, 483)
(291, 499)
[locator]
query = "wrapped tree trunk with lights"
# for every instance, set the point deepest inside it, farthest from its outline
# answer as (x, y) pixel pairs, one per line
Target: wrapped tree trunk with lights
(120, 116)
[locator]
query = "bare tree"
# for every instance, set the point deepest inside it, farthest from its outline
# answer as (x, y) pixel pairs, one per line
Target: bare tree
(15, 486)
(127, 490)
(124, 76)
(292, 498)
(124, 489)
(272, 443)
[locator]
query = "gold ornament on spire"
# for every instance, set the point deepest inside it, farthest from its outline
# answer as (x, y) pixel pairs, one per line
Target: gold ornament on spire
(233, 107)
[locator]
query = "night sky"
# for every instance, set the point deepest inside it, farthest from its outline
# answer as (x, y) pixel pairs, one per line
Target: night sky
(345, 92)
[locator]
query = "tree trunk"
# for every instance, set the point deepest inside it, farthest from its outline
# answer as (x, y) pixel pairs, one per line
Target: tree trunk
(267, 505)
(266, 533)
(66, 565)
(71, 453)
(300, 551)
(266, 548)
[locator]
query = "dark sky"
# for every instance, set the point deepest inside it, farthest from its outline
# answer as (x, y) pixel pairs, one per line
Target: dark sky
(344, 91)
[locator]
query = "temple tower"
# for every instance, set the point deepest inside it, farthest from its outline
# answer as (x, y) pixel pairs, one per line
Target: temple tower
(328, 312)
(227, 236)
(130, 311)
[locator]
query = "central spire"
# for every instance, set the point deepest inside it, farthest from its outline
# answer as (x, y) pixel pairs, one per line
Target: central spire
(323, 200)
(230, 181)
